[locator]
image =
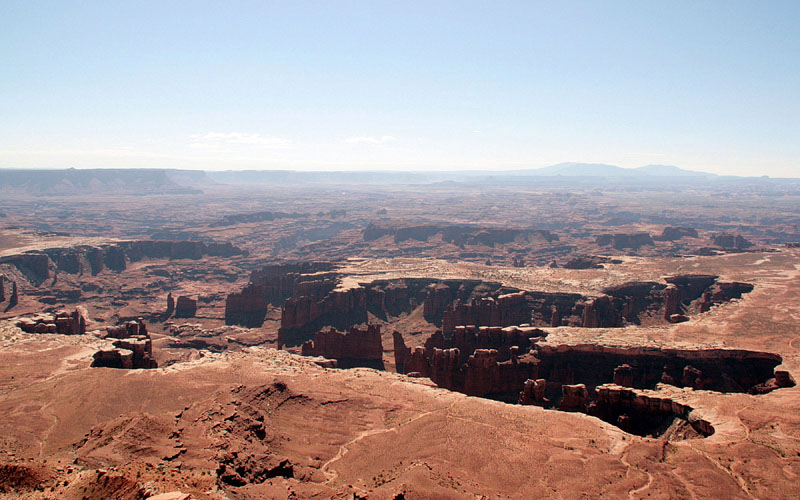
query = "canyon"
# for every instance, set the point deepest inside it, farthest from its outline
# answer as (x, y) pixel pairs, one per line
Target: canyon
(373, 342)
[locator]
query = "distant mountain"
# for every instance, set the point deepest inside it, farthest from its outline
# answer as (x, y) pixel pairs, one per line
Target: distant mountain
(100, 181)
(574, 169)
(582, 169)
(671, 170)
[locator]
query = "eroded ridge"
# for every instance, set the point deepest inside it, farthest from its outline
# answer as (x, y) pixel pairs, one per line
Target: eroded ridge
(313, 296)
(618, 384)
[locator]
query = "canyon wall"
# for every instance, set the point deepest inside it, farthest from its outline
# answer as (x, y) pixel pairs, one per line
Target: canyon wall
(38, 266)
(356, 347)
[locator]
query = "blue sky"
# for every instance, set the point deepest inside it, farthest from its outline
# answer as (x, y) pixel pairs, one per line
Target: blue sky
(335, 85)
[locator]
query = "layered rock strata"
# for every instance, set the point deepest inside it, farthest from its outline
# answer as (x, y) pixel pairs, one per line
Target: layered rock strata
(62, 322)
(356, 347)
(131, 348)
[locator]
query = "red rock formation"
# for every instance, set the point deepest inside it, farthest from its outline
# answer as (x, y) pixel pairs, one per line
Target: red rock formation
(35, 266)
(574, 397)
(457, 234)
(170, 305)
(601, 312)
(676, 233)
(61, 322)
(339, 309)
(439, 297)
(671, 301)
(401, 351)
(533, 393)
(506, 310)
(722, 292)
(585, 262)
(782, 379)
(621, 241)
(555, 318)
(623, 375)
(640, 412)
(723, 370)
(131, 348)
(730, 241)
(358, 347)
(678, 318)
(247, 308)
(416, 362)
(503, 341)
(186, 307)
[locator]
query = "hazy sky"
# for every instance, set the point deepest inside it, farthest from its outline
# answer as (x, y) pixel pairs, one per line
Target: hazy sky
(431, 84)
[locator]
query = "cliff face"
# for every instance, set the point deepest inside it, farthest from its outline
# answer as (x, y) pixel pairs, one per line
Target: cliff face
(246, 308)
(465, 340)
(622, 241)
(643, 368)
(479, 361)
(186, 307)
(317, 304)
(644, 412)
(39, 266)
(312, 301)
(274, 284)
(339, 309)
(505, 310)
(357, 347)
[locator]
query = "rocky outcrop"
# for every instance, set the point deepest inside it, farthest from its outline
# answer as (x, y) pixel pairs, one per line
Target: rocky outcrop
(339, 309)
(36, 267)
(623, 375)
(478, 361)
(317, 304)
(719, 370)
(584, 262)
(466, 340)
(782, 379)
(312, 308)
(460, 235)
(731, 241)
(357, 347)
(533, 393)
(573, 397)
(2, 288)
(14, 299)
(131, 348)
(62, 322)
(39, 266)
(273, 284)
(170, 305)
(281, 281)
(644, 412)
(246, 308)
(483, 374)
(505, 310)
(438, 298)
(721, 292)
(671, 233)
(186, 307)
(622, 241)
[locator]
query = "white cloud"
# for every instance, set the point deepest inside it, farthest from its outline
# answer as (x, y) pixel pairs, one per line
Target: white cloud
(370, 139)
(215, 139)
